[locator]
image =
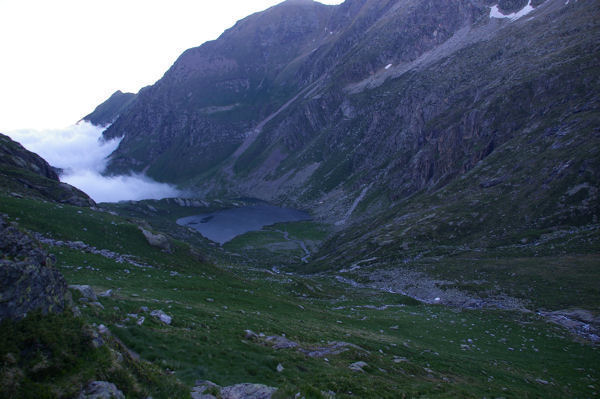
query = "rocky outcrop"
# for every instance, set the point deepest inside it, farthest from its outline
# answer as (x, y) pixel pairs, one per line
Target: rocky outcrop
(162, 316)
(156, 240)
(332, 348)
(28, 282)
(13, 154)
(358, 366)
(24, 172)
(81, 246)
(88, 295)
(101, 390)
(86, 291)
(210, 390)
(580, 322)
(247, 391)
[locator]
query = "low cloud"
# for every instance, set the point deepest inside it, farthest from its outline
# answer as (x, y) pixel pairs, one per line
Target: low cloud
(79, 151)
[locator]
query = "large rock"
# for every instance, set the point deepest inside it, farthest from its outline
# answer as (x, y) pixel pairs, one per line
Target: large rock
(205, 390)
(25, 287)
(156, 240)
(162, 316)
(208, 390)
(86, 291)
(101, 390)
(280, 342)
(247, 391)
(27, 280)
(358, 366)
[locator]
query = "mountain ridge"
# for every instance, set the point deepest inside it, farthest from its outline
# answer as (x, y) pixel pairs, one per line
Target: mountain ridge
(450, 157)
(460, 86)
(107, 112)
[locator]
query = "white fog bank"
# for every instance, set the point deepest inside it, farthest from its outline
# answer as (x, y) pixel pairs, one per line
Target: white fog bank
(79, 151)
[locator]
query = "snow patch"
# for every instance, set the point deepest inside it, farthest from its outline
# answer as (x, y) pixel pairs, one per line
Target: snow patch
(495, 12)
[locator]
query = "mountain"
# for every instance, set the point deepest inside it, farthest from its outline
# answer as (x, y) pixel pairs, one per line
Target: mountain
(431, 134)
(313, 105)
(449, 152)
(420, 124)
(200, 111)
(107, 112)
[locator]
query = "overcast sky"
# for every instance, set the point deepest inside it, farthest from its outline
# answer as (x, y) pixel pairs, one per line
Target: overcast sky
(61, 58)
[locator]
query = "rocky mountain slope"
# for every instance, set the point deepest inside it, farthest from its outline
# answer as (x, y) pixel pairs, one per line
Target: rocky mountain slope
(431, 134)
(23, 172)
(314, 105)
(107, 112)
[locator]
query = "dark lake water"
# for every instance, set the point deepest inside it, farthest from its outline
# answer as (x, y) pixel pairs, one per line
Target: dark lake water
(224, 225)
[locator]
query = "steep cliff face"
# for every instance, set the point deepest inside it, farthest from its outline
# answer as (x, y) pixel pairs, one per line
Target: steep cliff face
(200, 111)
(376, 98)
(214, 95)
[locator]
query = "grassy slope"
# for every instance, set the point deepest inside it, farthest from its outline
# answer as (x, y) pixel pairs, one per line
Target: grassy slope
(212, 306)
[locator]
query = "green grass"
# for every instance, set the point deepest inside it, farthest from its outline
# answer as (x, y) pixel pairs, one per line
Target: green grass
(270, 247)
(52, 356)
(303, 230)
(206, 339)
(411, 349)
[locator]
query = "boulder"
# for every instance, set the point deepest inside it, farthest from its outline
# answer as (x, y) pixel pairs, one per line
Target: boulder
(25, 287)
(210, 390)
(156, 240)
(332, 348)
(247, 391)
(251, 335)
(358, 366)
(86, 291)
(101, 390)
(205, 390)
(106, 294)
(27, 280)
(162, 316)
(279, 342)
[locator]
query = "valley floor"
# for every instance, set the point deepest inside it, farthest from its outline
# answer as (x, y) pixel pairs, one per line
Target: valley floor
(236, 320)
